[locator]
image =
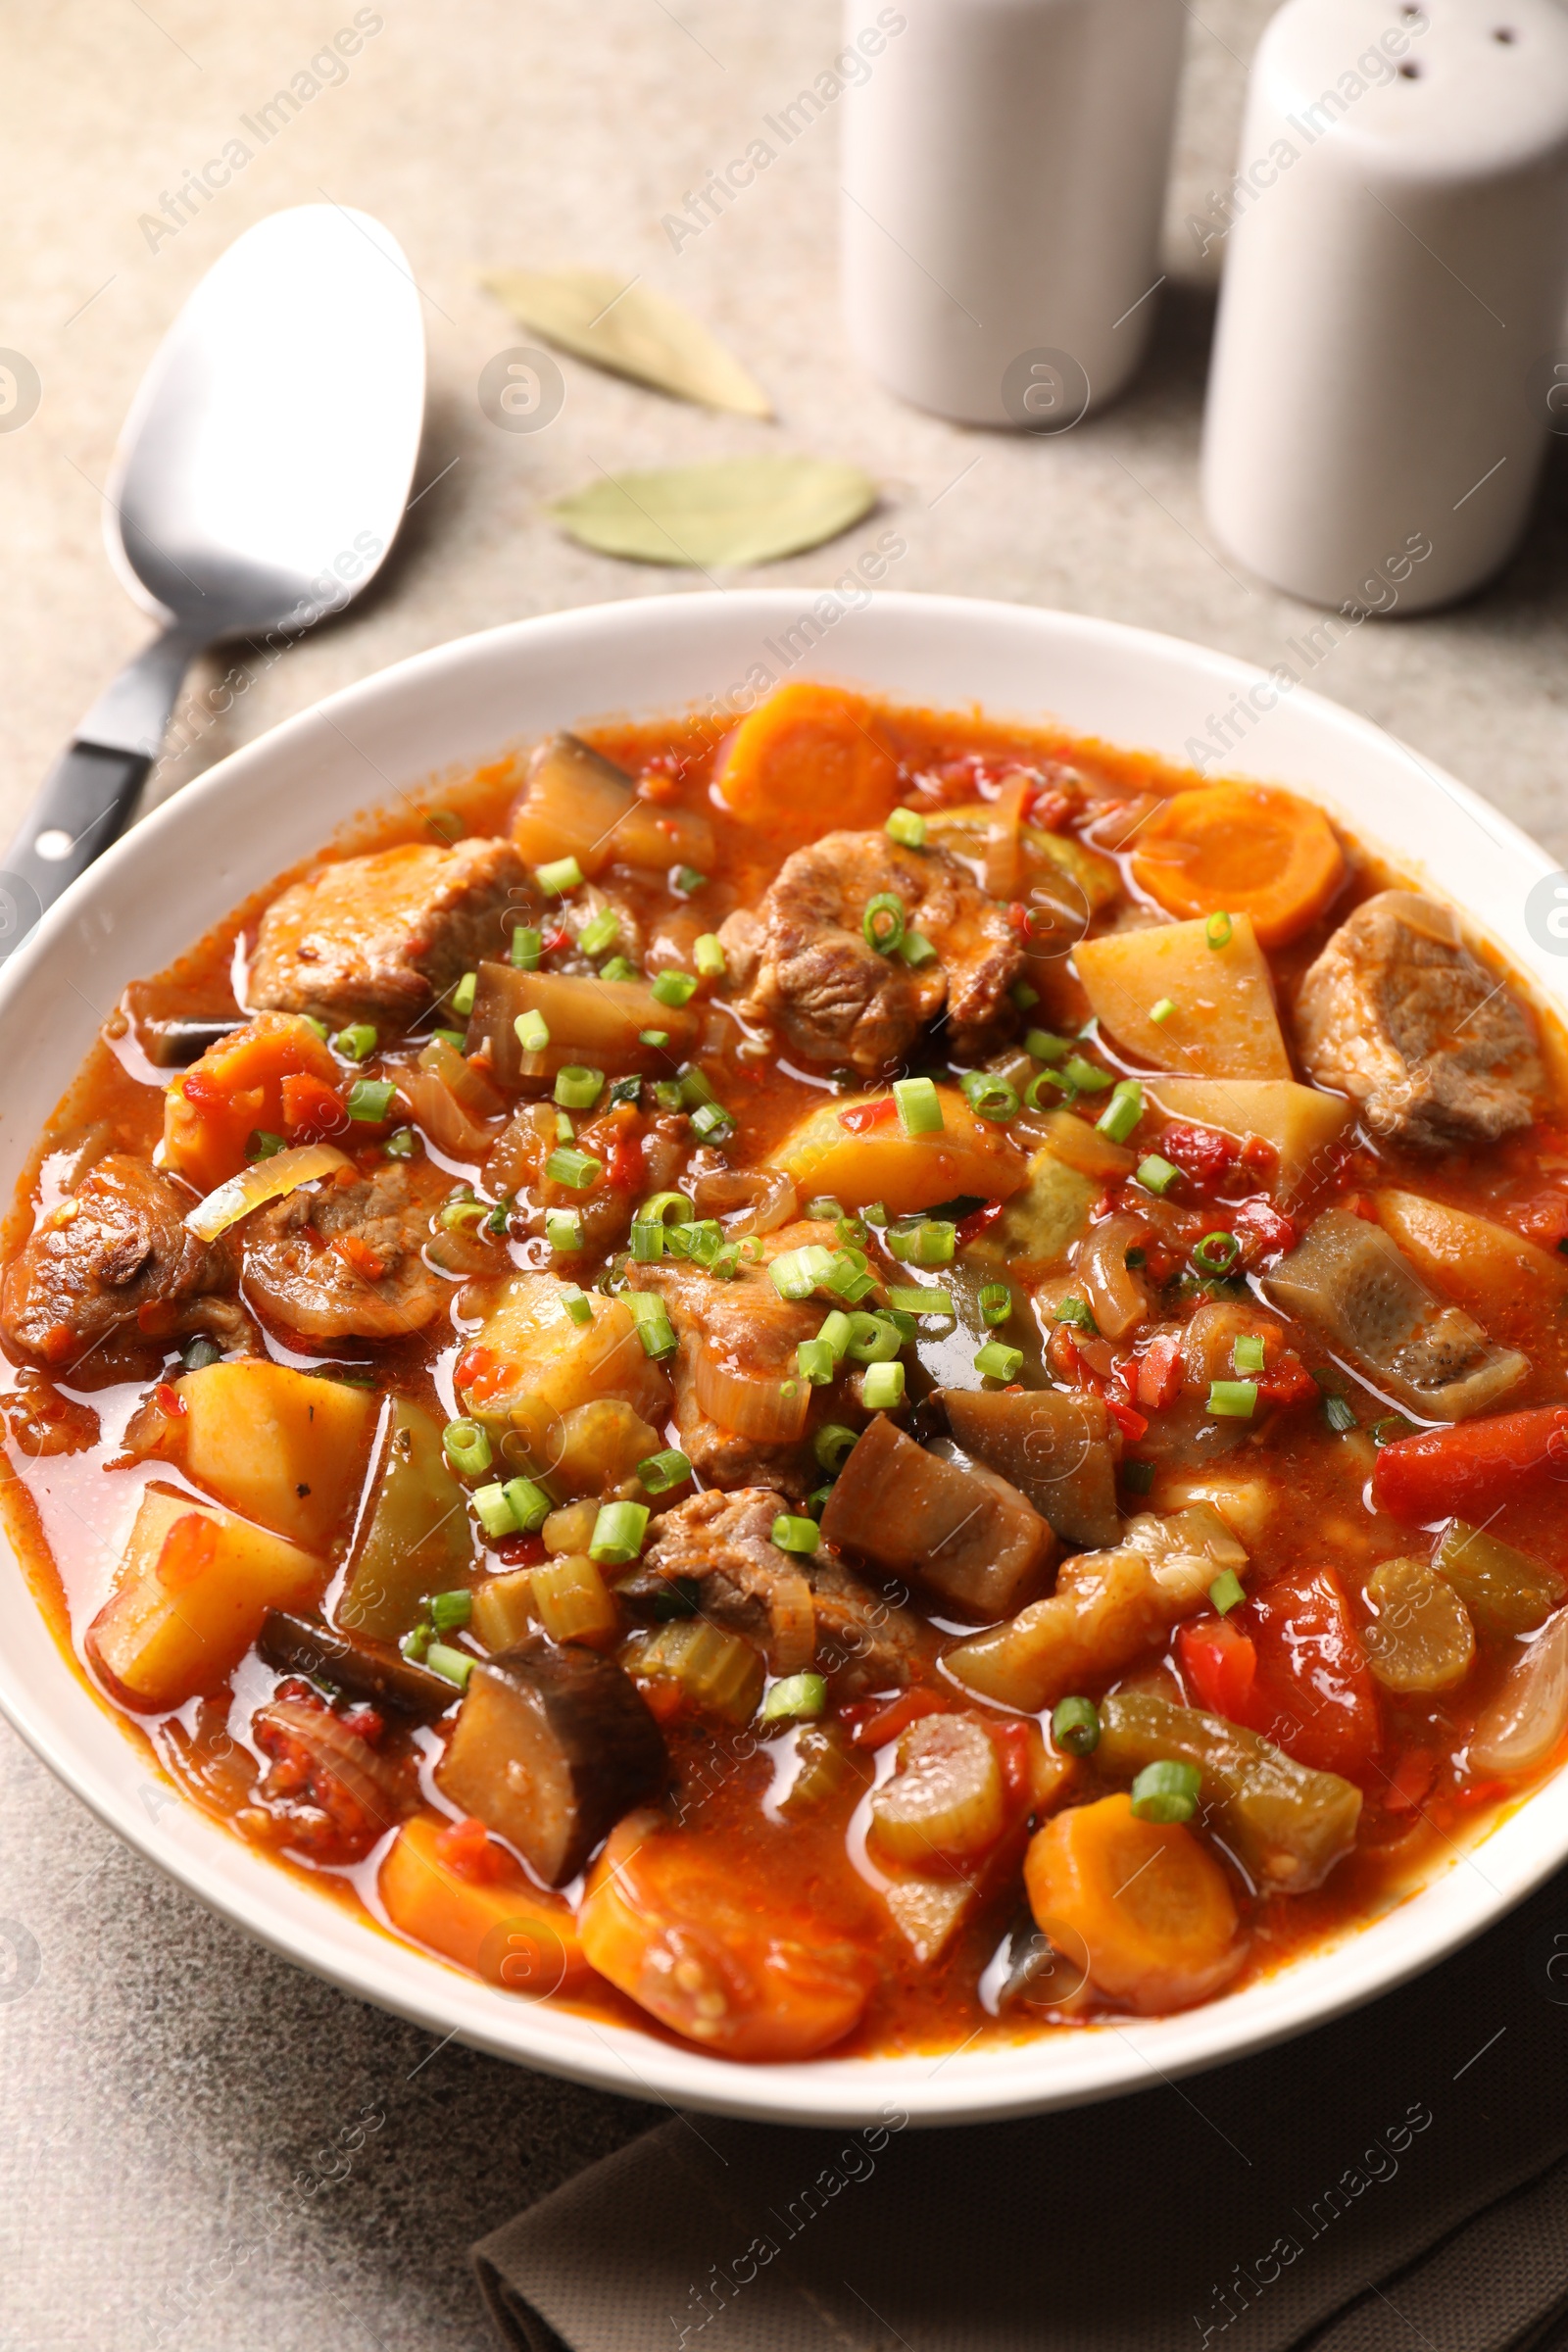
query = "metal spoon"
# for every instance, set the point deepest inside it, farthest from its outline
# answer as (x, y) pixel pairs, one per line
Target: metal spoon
(259, 483)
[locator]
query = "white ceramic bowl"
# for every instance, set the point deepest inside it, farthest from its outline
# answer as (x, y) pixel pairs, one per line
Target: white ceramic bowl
(277, 800)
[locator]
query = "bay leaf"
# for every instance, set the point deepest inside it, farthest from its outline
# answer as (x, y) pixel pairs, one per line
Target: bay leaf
(734, 510)
(631, 330)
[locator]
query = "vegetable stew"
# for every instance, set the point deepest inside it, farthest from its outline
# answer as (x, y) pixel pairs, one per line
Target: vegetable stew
(883, 1380)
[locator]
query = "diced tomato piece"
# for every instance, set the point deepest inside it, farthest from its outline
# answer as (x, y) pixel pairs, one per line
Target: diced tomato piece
(1472, 1468)
(1203, 1153)
(866, 1115)
(526, 1551)
(1160, 1372)
(973, 1225)
(1286, 1381)
(560, 937)
(189, 1550)
(358, 1256)
(1220, 1665)
(1259, 1155)
(1411, 1779)
(468, 1849)
(1542, 1219)
(311, 1106)
(1261, 1231)
(1314, 1694)
(1049, 808)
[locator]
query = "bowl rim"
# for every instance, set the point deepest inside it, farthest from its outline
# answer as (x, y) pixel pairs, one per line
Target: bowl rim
(1007, 2078)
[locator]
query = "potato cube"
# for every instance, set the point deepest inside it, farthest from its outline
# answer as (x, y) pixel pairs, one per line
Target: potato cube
(1297, 1120)
(1222, 1022)
(190, 1598)
(284, 1448)
(906, 1172)
(531, 1354)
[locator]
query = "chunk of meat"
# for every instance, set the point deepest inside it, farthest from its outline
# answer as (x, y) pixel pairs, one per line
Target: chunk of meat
(723, 1544)
(326, 1788)
(345, 1260)
(1107, 1609)
(379, 939)
(117, 1251)
(801, 961)
(800, 1612)
(1397, 1013)
(737, 1343)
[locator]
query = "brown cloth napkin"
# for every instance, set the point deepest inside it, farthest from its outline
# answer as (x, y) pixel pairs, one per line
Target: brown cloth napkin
(1394, 2183)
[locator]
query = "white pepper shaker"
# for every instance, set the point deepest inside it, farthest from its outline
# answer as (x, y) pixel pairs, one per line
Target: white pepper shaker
(1005, 166)
(1393, 307)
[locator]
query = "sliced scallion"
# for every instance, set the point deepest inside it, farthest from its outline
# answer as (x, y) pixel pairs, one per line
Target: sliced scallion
(916, 950)
(796, 1698)
(988, 1095)
(673, 987)
(578, 1170)
(1227, 1591)
(1042, 1046)
(1123, 1111)
(654, 1326)
(1163, 1009)
(1075, 1726)
(882, 1387)
(527, 946)
(1166, 1792)
(1218, 929)
(1247, 1355)
(602, 933)
(560, 876)
(1233, 1399)
(906, 827)
(996, 1361)
(455, 1665)
(996, 1302)
(618, 1533)
(1216, 1254)
(468, 1447)
(618, 968)
(577, 1304)
(833, 1444)
(708, 954)
(923, 1303)
(1157, 1175)
(563, 1228)
(577, 1087)
(370, 1099)
(791, 1534)
(662, 1473)
(532, 1031)
(450, 1612)
(883, 922)
(529, 1505)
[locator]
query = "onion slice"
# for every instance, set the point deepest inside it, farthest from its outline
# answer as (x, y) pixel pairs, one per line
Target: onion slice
(264, 1180)
(1529, 1715)
(769, 1408)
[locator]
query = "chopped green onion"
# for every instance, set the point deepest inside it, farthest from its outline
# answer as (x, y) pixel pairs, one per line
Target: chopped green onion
(647, 1243)
(1086, 1077)
(673, 987)
(500, 1216)
(603, 932)
(662, 1473)
(711, 1122)
(659, 1038)
(310, 1023)
(988, 1095)
(883, 922)
(664, 1208)
(873, 1339)
(370, 1099)
(688, 881)
(626, 1089)
(1042, 1046)
(833, 1444)
(401, 1144)
(708, 954)
(1247, 1354)
(1216, 1252)
(797, 1699)
(577, 1304)
(795, 1273)
(1078, 1313)
(527, 946)
(1233, 1399)
(906, 827)
(1227, 1591)
(796, 1535)
(694, 1088)
(916, 950)
(815, 1361)
(1075, 1726)
(882, 1387)
(468, 1447)
(1024, 996)
(529, 1505)
(930, 1243)
(563, 1228)
(532, 1031)
(558, 876)
(264, 1145)
(923, 1303)
(1033, 1094)
(1340, 1414)
(1390, 1427)
(450, 1611)
(1168, 1791)
(455, 1038)
(577, 1087)
(198, 1353)
(1217, 930)
(416, 1641)
(1163, 1009)
(618, 968)
(578, 1170)
(565, 1131)
(356, 1043)
(1137, 1477)
(667, 1093)
(463, 995)
(1157, 1175)
(1122, 1112)
(619, 1532)
(654, 1326)
(822, 1209)
(996, 1302)
(496, 1514)
(455, 1665)
(875, 1212)
(994, 1362)
(904, 1325)
(837, 1331)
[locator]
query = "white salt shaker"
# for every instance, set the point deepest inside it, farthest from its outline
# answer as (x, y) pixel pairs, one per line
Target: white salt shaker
(1005, 166)
(1393, 307)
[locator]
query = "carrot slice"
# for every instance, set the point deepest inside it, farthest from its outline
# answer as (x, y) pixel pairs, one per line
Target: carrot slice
(813, 760)
(1247, 849)
(735, 1967)
(484, 1915)
(211, 1113)
(1140, 1904)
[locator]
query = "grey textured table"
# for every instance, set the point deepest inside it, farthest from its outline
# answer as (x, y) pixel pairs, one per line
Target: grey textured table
(163, 2086)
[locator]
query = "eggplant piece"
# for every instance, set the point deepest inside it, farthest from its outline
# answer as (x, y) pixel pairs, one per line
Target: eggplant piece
(1358, 1290)
(963, 1533)
(552, 1746)
(1287, 1824)
(176, 1044)
(1053, 1444)
(415, 1537)
(370, 1670)
(598, 1023)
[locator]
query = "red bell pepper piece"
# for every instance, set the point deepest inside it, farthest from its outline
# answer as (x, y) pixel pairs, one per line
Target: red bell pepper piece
(1160, 1372)
(1312, 1694)
(1219, 1664)
(1469, 1470)
(867, 1114)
